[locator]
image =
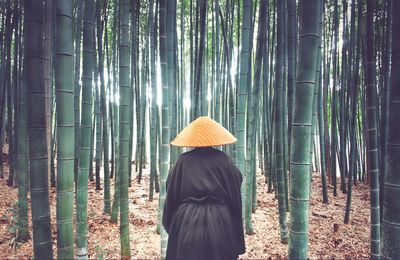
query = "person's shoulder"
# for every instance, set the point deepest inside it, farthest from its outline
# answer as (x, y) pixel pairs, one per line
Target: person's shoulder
(223, 156)
(205, 153)
(228, 164)
(221, 153)
(185, 156)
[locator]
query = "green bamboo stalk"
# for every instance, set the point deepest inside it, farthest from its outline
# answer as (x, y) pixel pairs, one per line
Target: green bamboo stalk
(124, 128)
(115, 205)
(326, 74)
(134, 91)
(385, 102)
(271, 106)
(292, 53)
(21, 167)
(52, 151)
(93, 176)
(321, 127)
(9, 98)
(301, 129)
(77, 76)
(285, 109)
(253, 120)
(391, 206)
(103, 103)
(372, 144)
(265, 107)
(334, 94)
(93, 143)
(93, 140)
(354, 81)
(199, 84)
(86, 131)
(314, 116)
(66, 129)
(172, 84)
(41, 225)
(279, 125)
(318, 82)
(49, 90)
(364, 131)
(217, 68)
(10, 133)
(153, 104)
(143, 106)
(165, 132)
(182, 109)
(16, 76)
(242, 92)
(341, 92)
(97, 104)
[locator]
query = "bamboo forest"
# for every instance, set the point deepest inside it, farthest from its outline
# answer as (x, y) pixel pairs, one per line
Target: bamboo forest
(92, 92)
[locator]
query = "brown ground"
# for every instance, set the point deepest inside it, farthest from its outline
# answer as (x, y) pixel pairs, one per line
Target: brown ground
(350, 241)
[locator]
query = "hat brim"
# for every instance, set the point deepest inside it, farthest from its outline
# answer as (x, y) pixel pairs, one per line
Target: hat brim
(202, 145)
(203, 132)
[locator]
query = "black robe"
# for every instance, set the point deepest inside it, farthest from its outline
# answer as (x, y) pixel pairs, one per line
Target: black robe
(203, 208)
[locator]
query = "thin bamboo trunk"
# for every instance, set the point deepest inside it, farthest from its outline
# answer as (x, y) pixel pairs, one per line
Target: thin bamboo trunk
(47, 76)
(279, 125)
(153, 104)
(165, 132)
(77, 76)
(115, 205)
(372, 145)
(97, 105)
(292, 58)
(124, 128)
(103, 103)
(22, 166)
(334, 102)
(85, 131)
(253, 120)
(354, 102)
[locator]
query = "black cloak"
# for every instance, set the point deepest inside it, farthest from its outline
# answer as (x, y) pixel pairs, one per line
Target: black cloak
(203, 208)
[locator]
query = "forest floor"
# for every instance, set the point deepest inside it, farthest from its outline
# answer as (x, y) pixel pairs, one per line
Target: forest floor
(349, 241)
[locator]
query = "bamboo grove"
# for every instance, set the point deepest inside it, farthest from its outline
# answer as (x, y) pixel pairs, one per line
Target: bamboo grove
(88, 87)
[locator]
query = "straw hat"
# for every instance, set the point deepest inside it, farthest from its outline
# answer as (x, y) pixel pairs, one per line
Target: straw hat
(203, 132)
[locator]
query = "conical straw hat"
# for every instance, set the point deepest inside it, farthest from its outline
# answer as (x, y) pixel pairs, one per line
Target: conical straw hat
(203, 132)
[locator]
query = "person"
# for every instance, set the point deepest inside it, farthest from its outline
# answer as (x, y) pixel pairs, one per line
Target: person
(203, 209)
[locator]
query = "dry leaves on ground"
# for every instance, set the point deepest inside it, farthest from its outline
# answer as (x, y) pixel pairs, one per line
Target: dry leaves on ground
(350, 241)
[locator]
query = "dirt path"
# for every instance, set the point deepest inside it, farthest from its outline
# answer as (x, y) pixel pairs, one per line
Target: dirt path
(350, 241)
